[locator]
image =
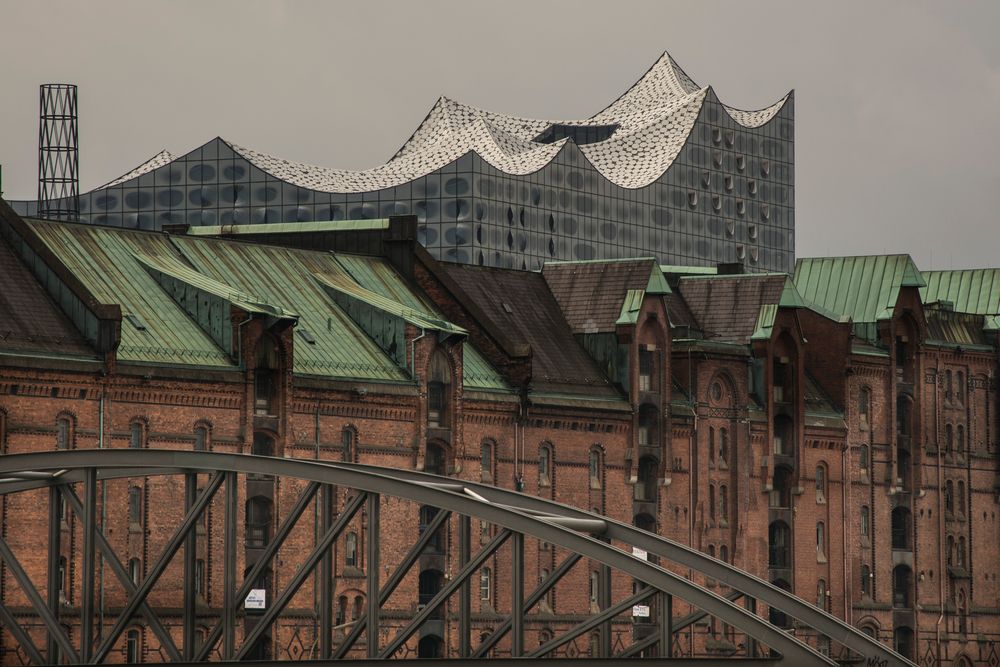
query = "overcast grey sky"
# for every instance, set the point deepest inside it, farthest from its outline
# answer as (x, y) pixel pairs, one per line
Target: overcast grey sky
(897, 103)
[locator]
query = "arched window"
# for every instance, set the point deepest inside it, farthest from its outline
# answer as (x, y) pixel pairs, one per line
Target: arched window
(545, 465)
(949, 497)
(863, 458)
(594, 585)
(902, 583)
(64, 432)
(711, 444)
(903, 410)
(723, 445)
(429, 584)
(963, 610)
(359, 605)
(949, 440)
(820, 539)
(864, 407)
(775, 616)
(724, 553)
(485, 583)
(865, 522)
(866, 584)
(961, 498)
(648, 425)
(711, 501)
(135, 506)
(486, 461)
(430, 646)
(779, 545)
(201, 438)
(596, 468)
(961, 552)
(960, 440)
(132, 647)
(134, 571)
(903, 468)
(821, 483)
(902, 641)
(435, 461)
(266, 382)
(341, 610)
(137, 435)
(199, 577)
(263, 444)
(960, 387)
(438, 390)
(870, 631)
(821, 593)
(351, 550)
(724, 502)
(648, 363)
(781, 487)
(258, 521)
(901, 528)
(349, 444)
(645, 487)
(951, 551)
(947, 386)
(436, 543)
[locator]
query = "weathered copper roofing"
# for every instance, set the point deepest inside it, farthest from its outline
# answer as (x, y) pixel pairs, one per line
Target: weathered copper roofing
(287, 277)
(592, 294)
(154, 328)
(30, 321)
(520, 304)
(969, 290)
(377, 275)
(944, 326)
(863, 288)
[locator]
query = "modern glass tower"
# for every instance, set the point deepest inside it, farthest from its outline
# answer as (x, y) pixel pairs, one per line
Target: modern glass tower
(666, 170)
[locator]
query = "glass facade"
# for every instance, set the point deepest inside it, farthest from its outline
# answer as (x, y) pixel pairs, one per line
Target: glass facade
(728, 196)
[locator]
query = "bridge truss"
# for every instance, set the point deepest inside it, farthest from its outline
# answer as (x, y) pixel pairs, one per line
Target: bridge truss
(73, 480)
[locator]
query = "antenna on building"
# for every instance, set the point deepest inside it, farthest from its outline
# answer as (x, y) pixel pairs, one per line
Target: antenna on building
(58, 152)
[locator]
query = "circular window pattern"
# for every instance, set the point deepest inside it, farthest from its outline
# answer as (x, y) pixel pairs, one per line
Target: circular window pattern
(716, 391)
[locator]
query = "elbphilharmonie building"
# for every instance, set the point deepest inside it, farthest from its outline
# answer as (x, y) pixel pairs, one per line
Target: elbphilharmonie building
(666, 170)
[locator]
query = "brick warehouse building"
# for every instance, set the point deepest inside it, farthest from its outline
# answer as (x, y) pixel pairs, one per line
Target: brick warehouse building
(833, 431)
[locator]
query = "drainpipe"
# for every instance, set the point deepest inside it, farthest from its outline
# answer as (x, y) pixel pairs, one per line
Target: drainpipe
(941, 536)
(104, 504)
(413, 353)
(847, 480)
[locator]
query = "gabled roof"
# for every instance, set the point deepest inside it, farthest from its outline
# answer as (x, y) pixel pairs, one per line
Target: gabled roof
(864, 288)
(154, 328)
(592, 294)
(737, 308)
(377, 275)
(30, 321)
(969, 290)
(520, 304)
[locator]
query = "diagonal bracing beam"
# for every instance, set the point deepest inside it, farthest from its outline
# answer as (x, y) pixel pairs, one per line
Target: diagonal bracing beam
(126, 581)
(303, 572)
(9, 623)
(159, 567)
(269, 553)
(394, 580)
(474, 564)
(592, 622)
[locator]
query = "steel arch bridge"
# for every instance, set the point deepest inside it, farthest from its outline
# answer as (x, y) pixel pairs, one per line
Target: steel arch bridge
(516, 516)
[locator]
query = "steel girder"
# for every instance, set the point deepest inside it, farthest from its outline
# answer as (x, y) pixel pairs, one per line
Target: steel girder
(518, 513)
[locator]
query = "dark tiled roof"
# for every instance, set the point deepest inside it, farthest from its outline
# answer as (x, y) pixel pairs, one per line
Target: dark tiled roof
(680, 315)
(591, 293)
(520, 304)
(726, 307)
(29, 320)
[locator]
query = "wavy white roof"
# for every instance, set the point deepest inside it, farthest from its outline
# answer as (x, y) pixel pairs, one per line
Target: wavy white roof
(654, 118)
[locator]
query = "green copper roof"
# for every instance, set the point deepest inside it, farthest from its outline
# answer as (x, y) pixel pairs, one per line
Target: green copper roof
(970, 290)
(290, 227)
(863, 288)
(154, 329)
(631, 306)
(377, 275)
(689, 270)
(335, 346)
